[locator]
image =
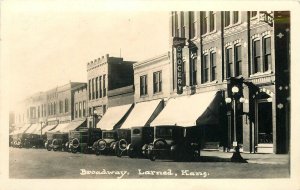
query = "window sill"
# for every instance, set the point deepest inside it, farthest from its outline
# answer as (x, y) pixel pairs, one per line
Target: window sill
(144, 96)
(209, 33)
(232, 25)
(209, 83)
(158, 93)
(261, 74)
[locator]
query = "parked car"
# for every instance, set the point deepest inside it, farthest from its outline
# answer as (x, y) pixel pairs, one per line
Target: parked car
(59, 141)
(175, 142)
(48, 142)
(141, 137)
(113, 142)
(83, 140)
(123, 140)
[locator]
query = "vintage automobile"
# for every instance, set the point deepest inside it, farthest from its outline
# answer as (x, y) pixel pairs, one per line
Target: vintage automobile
(113, 142)
(123, 140)
(33, 141)
(48, 142)
(176, 143)
(141, 137)
(59, 141)
(83, 139)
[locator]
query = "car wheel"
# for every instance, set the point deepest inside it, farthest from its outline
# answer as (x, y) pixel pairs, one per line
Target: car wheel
(152, 157)
(74, 150)
(98, 152)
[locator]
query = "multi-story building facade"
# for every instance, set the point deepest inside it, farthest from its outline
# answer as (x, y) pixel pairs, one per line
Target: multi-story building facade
(105, 74)
(80, 103)
(223, 47)
(152, 78)
(50, 108)
(152, 90)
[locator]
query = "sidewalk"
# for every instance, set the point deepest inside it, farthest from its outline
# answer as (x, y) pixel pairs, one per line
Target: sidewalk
(256, 158)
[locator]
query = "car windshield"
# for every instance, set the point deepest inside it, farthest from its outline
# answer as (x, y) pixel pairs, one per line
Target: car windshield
(108, 135)
(123, 134)
(164, 132)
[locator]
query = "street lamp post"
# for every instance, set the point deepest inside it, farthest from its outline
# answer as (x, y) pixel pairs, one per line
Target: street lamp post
(94, 118)
(236, 157)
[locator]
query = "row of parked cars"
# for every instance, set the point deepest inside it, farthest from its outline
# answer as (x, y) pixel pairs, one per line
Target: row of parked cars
(171, 142)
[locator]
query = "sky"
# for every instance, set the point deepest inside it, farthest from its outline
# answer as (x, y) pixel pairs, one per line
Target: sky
(49, 44)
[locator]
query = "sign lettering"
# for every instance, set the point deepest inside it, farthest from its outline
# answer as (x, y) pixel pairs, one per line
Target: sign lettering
(178, 44)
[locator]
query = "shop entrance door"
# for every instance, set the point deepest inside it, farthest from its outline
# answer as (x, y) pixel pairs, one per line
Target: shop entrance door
(264, 127)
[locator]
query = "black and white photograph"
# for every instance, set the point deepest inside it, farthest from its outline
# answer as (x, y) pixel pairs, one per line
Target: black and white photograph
(124, 93)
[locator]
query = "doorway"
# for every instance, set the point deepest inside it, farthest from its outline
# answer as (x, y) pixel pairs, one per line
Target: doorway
(264, 127)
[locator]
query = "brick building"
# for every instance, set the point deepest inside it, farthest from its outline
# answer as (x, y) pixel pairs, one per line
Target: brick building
(152, 89)
(44, 111)
(105, 74)
(244, 49)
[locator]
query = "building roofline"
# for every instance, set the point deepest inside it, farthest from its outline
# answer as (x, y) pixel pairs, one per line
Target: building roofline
(152, 59)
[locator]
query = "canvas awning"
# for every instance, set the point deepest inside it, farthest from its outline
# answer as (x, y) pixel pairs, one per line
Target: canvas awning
(187, 111)
(73, 125)
(34, 129)
(114, 117)
(21, 129)
(143, 113)
(60, 127)
(48, 128)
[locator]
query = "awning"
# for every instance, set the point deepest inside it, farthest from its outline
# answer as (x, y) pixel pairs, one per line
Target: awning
(114, 116)
(60, 127)
(187, 111)
(73, 125)
(143, 113)
(21, 129)
(48, 128)
(34, 128)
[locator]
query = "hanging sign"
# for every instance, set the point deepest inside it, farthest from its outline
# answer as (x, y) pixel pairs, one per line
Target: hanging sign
(178, 44)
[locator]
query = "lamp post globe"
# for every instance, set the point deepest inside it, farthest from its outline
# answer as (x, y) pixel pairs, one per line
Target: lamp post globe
(235, 89)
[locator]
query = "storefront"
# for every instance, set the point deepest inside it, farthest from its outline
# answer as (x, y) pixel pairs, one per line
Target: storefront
(143, 114)
(202, 109)
(114, 117)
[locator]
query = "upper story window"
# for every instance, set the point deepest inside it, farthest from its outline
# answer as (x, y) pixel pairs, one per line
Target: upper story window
(157, 82)
(176, 24)
(193, 80)
(233, 61)
(231, 18)
(143, 85)
(212, 21)
(104, 85)
(80, 108)
(76, 110)
(204, 22)
(61, 106)
(267, 54)
(238, 60)
(193, 25)
(261, 55)
(84, 108)
(213, 66)
(182, 24)
(235, 17)
(208, 21)
(227, 18)
(229, 62)
(253, 14)
(205, 69)
(256, 57)
(93, 88)
(100, 86)
(90, 93)
(96, 86)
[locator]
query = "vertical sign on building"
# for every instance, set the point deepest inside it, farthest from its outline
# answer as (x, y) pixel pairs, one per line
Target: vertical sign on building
(178, 44)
